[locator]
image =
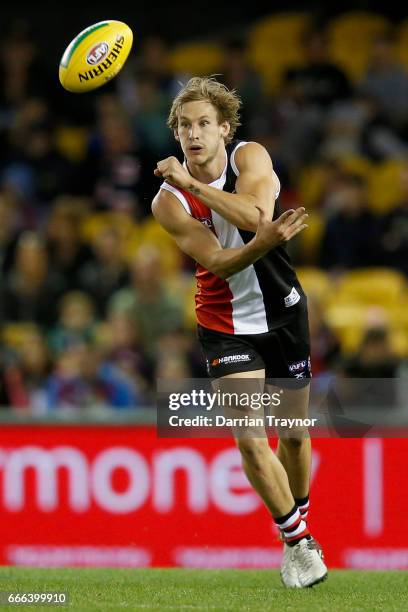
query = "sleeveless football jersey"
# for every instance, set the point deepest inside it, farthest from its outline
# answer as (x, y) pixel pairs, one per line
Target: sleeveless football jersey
(263, 296)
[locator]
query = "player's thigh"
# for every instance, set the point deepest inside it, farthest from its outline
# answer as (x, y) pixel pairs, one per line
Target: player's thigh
(291, 411)
(288, 371)
(240, 395)
(293, 401)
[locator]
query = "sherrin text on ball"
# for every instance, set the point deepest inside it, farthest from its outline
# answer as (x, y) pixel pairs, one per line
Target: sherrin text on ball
(95, 56)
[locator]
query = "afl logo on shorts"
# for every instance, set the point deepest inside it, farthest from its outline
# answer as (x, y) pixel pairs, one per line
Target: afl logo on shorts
(300, 369)
(97, 53)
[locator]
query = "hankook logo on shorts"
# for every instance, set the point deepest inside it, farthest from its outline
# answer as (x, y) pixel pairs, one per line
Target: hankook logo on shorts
(230, 359)
(97, 53)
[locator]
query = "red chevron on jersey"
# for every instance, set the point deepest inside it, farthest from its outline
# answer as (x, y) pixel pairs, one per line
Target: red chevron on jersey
(214, 297)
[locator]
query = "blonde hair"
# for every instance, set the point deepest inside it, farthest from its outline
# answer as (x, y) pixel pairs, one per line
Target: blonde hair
(226, 102)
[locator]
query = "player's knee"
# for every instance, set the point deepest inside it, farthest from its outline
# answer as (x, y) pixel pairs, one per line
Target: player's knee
(294, 444)
(253, 450)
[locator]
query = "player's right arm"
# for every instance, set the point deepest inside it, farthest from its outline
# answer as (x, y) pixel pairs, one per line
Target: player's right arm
(200, 243)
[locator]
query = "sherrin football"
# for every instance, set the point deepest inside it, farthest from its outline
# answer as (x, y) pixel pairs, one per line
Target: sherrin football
(95, 56)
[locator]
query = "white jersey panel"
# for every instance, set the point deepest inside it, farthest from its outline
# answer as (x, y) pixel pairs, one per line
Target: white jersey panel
(178, 195)
(232, 157)
(248, 308)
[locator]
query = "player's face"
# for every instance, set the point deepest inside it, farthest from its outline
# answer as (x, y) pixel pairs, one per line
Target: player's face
(200, 134)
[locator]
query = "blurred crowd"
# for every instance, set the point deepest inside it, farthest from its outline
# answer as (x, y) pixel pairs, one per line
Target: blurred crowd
(96, 300)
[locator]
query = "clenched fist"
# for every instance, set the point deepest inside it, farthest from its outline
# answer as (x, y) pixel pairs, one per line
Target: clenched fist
(173, 172)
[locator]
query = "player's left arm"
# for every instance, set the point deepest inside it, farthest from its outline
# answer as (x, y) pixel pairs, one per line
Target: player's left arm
(257, 180)
(256, 186)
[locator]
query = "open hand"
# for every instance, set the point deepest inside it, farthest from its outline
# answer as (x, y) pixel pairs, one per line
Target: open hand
(271, 234)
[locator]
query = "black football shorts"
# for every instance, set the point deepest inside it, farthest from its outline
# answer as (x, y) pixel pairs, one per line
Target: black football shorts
(284, 353)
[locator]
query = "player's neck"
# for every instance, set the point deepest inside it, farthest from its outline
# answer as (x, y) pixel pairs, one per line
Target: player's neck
(210, 171)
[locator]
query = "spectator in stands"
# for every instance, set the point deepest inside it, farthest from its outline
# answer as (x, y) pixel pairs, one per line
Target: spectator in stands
(152, 59)
(122, 347)
(394, 231)
(148, 300)
(294, 129)
(358, 127)
(76, 321)
(5, 400)
(118, 164)
(343, 126)
(22, 74)
(350, 236)
(379, 138)
(330, 180)
(237, 73)
(35, 169)
(325, 346)
(318, 81)
(179, 351)
(107, 272)
(173, 367)
(67, 251)
(386, 81)
(375, 356)
(26, 377)
(9, 231)
(83, 381)
(308, 91)
(31, 291)
(150, 115)
(375, 359)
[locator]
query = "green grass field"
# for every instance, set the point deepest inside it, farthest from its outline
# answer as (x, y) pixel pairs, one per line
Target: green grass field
(212, 590)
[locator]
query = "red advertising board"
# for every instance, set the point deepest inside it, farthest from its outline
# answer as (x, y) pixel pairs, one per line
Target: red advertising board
(119, 496)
